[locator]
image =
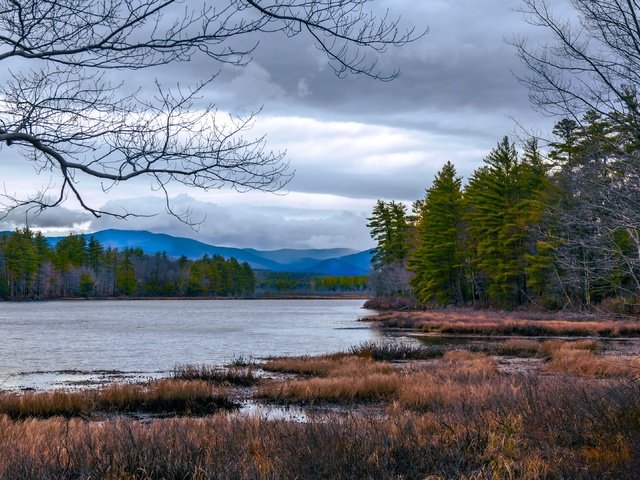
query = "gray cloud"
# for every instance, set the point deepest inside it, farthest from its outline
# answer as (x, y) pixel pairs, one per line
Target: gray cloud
(50, 219)
(463, 66)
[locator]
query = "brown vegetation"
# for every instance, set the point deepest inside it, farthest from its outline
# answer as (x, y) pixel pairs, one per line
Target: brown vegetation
(579, 358)
(158, 396)
(473, 424)
(338, 365)
(396, 351)
(453, 415)
(506, 323)
(234, 375)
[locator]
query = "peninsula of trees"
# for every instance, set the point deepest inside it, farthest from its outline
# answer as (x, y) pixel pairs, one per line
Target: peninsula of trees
(556, 230)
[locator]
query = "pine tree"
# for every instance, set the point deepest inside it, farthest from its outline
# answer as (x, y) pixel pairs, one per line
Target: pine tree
(390, 229)
(501, 205)
(437, 260)
(126, 281)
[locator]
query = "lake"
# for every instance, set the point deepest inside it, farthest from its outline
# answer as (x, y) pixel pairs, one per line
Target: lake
(78, 343)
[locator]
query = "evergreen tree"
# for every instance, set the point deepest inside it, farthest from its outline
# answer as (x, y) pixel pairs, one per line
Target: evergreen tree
(126, 281)
(390, 228)
(437, 261)
(501, 206)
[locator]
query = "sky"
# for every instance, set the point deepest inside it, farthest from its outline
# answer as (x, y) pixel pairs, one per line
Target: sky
(349, 141)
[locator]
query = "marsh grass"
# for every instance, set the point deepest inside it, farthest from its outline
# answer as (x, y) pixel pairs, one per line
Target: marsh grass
(389, 351)
(530, 428)
(344, 389)
(467, 322)
(233, 375)
(354, 379)
(519, 347)
(337, 365)
(339, 378)
(169, 397)
(580, 359)
(456, 416)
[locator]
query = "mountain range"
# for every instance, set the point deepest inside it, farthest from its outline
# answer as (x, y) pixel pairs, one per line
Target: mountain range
(332, 261)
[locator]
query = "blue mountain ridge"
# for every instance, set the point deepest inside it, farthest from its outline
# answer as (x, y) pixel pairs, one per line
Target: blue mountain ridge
(334, 261)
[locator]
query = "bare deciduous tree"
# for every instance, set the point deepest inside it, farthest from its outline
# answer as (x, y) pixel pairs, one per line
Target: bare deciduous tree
(61, 109)
(590, 73)
(592, 62)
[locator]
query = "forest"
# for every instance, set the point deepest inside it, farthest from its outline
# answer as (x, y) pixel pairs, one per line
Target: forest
(552, 229)
(82, 267)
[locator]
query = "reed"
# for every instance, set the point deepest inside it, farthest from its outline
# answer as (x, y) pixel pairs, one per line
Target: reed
(337, 365)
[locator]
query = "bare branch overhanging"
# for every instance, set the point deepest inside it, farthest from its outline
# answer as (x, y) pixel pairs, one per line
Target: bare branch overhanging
(61, 111)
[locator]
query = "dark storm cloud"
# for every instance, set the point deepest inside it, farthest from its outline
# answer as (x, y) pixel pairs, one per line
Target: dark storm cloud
(463, 64)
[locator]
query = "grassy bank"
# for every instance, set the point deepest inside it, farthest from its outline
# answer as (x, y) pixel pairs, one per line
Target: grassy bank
(491, 323)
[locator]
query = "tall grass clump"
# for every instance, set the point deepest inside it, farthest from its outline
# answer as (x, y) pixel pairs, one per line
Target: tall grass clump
(242, 376)
(169, 397)
(580, 359)
(502, 323)
(336, 365)
(389, 351)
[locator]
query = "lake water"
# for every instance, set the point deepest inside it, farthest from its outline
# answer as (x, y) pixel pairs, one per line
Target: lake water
(69, 343)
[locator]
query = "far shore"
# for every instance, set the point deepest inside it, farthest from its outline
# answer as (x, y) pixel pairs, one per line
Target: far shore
(261, 297)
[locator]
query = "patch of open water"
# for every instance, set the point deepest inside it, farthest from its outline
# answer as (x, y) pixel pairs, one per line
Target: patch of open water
(77, 344)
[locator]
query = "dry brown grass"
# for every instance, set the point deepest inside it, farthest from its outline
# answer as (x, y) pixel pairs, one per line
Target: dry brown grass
(338, 365)
(158, 396)
(342, 389)
(549, 347)
(520, 347)
(462, 376)
(353, 379)
(396, 350)
(233, 375)
(454, 417)
(530, 428)
(344, 378)
(507, 323)
(473, 361)
(585, 362)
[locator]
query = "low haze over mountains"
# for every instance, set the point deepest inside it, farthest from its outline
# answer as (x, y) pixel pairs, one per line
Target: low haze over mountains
(334, 261)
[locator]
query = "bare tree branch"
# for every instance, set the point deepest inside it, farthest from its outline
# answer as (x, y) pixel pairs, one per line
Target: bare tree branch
(60, 110)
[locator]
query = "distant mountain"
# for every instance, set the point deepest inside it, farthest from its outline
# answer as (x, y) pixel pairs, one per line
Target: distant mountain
(332, 261)
(289, 255)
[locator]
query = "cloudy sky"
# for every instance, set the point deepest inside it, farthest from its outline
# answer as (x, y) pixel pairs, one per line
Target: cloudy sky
(350, 141)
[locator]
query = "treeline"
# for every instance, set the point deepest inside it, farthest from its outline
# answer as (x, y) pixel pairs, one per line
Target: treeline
(559, 230)
(82, 267)
(308, 283)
